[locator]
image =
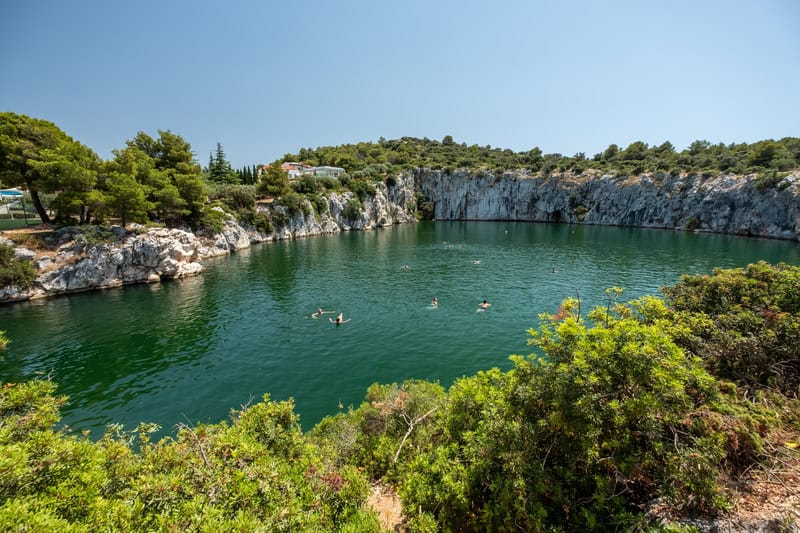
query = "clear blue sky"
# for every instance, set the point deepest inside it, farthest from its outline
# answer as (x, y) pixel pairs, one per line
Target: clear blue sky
(266, 77)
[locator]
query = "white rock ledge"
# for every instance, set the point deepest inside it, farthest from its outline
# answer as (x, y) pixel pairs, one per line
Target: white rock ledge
(140, 255)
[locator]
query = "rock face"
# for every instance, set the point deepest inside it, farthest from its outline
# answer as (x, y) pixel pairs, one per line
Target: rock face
(391, 204)
(140, 255)
(133, 257)
(721, 204)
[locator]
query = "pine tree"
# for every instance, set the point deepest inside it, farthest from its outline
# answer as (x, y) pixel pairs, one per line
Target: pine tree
(219, 170)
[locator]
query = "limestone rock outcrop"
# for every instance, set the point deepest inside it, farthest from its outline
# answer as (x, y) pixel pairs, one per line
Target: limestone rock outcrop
(130, 257)
(391, 204)
(232, 237)
(138, 254)
(739, 205)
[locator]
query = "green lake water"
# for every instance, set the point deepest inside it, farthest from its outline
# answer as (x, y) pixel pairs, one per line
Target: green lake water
(190, 350)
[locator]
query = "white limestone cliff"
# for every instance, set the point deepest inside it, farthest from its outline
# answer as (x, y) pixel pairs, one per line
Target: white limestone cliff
(737, 205)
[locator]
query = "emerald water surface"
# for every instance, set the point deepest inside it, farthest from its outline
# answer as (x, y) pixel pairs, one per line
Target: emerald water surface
(190, 350)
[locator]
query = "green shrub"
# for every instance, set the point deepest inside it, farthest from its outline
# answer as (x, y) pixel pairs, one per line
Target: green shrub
(97, 235)
(257, 473)
(319, 203)
(307, 184)
(211, 220)
(362, 188)
(15, 272)
(259, 220)
(295, 203)
(425, 208)
(767, 180)
(329, 183)
(608, 418)
(693, 223)
(743, 323)
(580, 211)
(353, 210)
(234, 196)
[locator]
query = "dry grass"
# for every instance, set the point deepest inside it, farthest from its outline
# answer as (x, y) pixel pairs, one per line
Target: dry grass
(772, 492)
(386, 503)
(34, 238)
(31, 237)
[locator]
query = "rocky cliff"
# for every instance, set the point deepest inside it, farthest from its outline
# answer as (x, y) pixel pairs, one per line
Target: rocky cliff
(73, 260)
(740, 205)
(393, 204)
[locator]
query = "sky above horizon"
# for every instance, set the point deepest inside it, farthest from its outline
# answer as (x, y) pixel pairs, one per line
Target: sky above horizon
(267, 78)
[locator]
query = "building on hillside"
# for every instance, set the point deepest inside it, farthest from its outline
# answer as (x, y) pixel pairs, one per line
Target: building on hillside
(331, 172)
(291, 168)
(294, 170)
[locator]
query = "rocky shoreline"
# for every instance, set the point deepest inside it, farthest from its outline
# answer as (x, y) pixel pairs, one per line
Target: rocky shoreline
(739, 205)
(74, 260)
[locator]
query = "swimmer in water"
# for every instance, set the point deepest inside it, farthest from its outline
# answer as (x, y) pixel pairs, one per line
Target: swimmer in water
(339, 320)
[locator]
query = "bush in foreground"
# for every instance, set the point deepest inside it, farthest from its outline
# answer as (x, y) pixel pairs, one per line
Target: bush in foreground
(258, 473)
(610, 418)
(613, 412)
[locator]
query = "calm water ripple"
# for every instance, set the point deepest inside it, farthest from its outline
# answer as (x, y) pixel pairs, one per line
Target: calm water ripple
(195, 348)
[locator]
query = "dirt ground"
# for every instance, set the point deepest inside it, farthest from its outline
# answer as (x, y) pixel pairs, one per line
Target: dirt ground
(386, 503)
(770, 496)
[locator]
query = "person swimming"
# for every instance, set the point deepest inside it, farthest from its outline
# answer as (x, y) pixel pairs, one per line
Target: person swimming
(484, 305)
(339, 319)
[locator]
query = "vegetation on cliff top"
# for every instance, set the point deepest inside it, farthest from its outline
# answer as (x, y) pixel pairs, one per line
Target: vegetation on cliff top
(149, 180)
(655, 400)
(388, 156)
(158, 179)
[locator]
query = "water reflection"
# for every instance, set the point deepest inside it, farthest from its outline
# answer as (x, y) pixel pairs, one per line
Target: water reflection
(194, 348)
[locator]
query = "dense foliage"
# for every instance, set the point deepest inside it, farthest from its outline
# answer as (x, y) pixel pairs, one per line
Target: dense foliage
(258, 473)
(14, 271)
(158, 179)
(744, 323)
(581, 436)
(387, 156)
(37, 155)
(618, 409)
(150, 179)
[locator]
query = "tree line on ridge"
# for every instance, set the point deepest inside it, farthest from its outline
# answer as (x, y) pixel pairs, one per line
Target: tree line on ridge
(158, 179)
